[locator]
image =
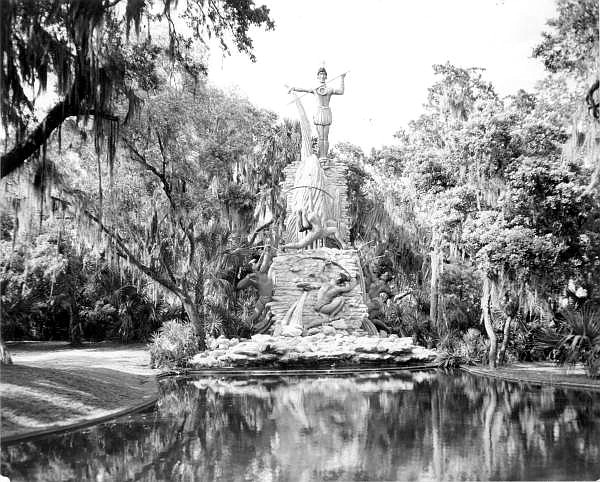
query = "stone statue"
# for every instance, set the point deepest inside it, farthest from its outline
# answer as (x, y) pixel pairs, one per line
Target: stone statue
(329, 302)
(309, 193)
(322, 117)
(378, 294)
(316, 231)
(260, 280)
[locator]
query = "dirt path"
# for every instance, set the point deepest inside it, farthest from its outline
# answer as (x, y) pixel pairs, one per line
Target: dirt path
(52, 385)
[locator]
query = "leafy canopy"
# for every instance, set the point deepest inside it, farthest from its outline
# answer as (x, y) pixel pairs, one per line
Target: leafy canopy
(86, 46)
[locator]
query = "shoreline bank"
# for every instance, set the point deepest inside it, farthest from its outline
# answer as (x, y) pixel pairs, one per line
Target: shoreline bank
(53, 387)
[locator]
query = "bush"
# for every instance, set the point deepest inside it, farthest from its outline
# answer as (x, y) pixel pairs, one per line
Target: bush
(98, 322)
(173, 344)
(456, 348)
(580, 338)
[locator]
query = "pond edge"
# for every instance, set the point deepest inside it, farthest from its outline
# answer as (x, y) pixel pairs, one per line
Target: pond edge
(480, 371)
(57, 430)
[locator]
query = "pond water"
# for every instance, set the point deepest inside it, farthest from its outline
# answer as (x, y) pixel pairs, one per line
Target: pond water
(390, 426)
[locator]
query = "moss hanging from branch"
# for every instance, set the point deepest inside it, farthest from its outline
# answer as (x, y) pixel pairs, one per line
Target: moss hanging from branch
(83, 44)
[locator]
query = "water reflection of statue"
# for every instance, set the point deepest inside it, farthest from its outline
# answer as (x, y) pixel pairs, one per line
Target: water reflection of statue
(322, 117)
(329, 299)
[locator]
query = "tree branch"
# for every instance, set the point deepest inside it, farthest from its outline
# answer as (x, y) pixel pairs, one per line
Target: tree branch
(124, 251)
(188, 231)
(252, 237)
(17, 156)
(163, 179)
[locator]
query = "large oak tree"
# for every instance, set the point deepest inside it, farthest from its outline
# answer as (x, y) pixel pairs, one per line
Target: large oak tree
(87, 47)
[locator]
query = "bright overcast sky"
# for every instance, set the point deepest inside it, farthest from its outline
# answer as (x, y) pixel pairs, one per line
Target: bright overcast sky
(389, 47)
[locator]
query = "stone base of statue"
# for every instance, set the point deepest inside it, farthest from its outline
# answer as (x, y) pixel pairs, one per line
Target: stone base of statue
(314, 351)
(298, 278)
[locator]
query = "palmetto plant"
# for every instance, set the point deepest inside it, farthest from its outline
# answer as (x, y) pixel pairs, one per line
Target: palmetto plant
(580, 340)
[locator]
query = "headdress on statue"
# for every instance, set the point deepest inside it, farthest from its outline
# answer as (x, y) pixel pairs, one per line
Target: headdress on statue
(322, 71)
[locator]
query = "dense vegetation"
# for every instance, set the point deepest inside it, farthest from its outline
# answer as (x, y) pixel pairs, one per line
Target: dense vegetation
(149, 195)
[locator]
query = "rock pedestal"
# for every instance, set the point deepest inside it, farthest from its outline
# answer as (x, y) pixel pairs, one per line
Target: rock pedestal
(303, 273)
(313, 351)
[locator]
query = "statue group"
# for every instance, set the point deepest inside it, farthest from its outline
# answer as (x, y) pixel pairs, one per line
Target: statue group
(296, 292)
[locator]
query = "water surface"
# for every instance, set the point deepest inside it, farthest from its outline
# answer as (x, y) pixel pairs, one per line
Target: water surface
(395, 426)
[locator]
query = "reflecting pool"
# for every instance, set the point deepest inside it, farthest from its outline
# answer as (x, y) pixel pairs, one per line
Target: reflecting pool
(390, 426)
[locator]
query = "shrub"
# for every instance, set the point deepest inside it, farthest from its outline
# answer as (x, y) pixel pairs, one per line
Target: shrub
(456, 348)
(98, 322)
(580, 338)
(173, 344)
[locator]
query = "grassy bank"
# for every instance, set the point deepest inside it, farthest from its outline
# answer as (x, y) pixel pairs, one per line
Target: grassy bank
(52, 385)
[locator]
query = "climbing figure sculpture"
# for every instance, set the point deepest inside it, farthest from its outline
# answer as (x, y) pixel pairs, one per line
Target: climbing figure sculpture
(322, 117)
(260, 280)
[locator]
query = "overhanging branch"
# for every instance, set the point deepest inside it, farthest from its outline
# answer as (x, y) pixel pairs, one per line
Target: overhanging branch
(17, 156)
(124, 251)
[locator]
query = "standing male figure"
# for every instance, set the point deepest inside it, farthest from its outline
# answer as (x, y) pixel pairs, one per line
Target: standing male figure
(322, 117)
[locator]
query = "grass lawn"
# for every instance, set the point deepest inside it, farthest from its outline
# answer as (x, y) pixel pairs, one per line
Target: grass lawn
(52, 384)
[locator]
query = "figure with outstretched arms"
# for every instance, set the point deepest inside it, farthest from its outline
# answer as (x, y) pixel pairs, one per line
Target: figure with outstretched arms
(322, 117)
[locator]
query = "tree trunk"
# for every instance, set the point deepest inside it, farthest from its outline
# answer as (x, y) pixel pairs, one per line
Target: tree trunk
(505, 337)
(74, 327)
(434, 293)
(196, 319)
(487, 320)
(5, 358)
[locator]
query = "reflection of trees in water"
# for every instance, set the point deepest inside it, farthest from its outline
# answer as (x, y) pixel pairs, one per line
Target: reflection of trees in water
(442, 426)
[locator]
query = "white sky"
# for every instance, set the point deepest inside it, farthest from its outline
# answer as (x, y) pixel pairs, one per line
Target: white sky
(389, 47)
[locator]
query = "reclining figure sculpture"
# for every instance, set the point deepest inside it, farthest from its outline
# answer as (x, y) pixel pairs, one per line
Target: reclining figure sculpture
(329, 299)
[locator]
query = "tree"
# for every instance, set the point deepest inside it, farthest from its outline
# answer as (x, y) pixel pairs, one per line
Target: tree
(168, 209)
(571, 45)
(101, 72)
(85, 45)
(480, 184)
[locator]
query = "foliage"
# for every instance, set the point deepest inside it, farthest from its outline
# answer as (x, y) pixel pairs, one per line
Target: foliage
(37, 292)
(579, 339)
(462, 348)
(46, 285)
(572, 43)
(86, 45)
(484, 191)
(461, 288)
(173, 344)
